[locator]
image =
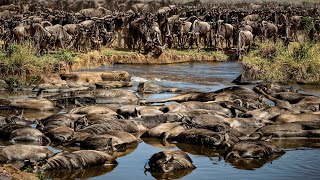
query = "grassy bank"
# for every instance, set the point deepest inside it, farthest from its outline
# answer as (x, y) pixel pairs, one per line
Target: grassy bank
(299, 63)
(19, 65)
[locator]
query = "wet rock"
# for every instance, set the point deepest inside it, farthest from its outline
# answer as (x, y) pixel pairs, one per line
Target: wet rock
(95, 77)
(112, 84)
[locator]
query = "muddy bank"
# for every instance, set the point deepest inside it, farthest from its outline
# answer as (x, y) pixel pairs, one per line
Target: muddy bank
(109, 56)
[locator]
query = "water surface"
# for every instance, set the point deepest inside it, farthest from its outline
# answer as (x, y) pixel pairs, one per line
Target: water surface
(301, 160)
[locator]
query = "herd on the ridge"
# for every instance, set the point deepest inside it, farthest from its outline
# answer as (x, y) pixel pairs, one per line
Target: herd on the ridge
(83, 25)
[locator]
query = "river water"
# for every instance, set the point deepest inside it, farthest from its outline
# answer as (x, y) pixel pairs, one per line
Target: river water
(301, 160)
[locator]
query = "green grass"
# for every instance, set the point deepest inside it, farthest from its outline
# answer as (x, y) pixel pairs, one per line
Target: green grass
(299, 63)
(110, 52)
(219, 55)
(19, 64)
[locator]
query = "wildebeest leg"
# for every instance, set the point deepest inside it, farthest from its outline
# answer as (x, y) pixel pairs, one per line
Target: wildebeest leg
(61, 44)
(119, 34)
(198, 43)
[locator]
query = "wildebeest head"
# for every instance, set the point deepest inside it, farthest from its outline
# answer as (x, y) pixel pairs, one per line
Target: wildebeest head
(119, 21)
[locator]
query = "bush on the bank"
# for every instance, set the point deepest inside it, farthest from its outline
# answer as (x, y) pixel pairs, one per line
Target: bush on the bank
(19, 64)
(300, 62)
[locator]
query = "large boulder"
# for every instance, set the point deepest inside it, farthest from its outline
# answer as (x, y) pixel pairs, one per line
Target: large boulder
(95, 77)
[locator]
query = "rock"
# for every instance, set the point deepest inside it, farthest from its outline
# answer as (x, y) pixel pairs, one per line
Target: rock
(115, 76)
(50, 81)
(95, 77)
(113, 84)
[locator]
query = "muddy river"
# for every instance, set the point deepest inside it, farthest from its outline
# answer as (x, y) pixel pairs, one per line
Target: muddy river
(300, 161)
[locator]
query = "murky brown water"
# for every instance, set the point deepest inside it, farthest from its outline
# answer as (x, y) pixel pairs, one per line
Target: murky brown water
(301, 160)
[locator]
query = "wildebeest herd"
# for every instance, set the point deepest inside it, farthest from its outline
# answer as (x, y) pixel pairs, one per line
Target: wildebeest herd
(95, 127)
(84, 25)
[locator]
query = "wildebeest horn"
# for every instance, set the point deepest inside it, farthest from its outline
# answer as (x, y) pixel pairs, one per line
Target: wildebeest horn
(145, 167)
(232, 154)
(240, 102)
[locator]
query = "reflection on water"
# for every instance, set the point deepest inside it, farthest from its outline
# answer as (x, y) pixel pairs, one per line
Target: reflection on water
(172, 175)
(79, 174)
(293, 144)
(252, 164)
(158, 143)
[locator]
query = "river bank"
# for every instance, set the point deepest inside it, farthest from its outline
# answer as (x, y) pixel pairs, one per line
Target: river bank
(272, 62)
(19, 66)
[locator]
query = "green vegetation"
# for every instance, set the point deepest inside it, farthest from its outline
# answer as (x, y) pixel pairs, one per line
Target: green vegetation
(219, 55)
(110, 52)
(20, 66)
(299, 63)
